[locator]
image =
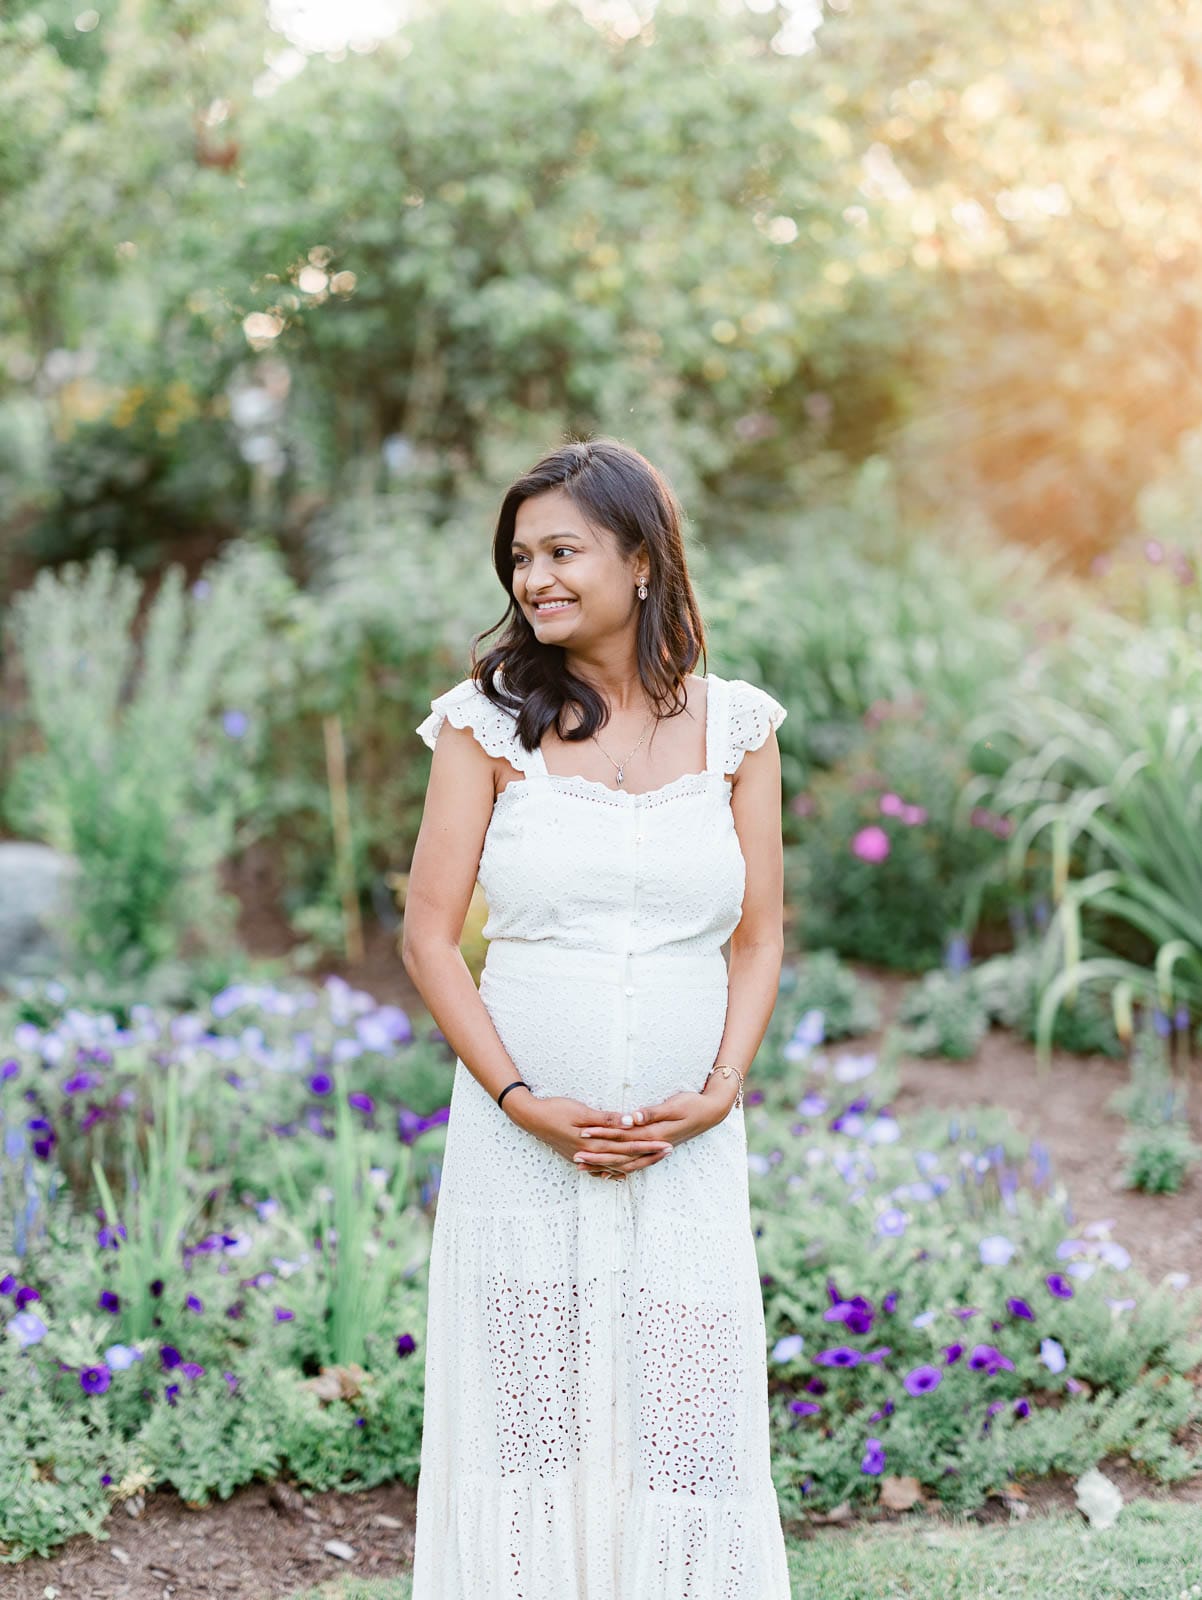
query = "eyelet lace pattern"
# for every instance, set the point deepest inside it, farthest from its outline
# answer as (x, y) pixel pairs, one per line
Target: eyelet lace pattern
(596, 1411)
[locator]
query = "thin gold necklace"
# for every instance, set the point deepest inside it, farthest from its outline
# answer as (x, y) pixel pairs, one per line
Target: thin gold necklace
(621, 770)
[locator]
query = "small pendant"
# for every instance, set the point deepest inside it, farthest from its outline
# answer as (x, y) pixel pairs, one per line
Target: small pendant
(620, 774)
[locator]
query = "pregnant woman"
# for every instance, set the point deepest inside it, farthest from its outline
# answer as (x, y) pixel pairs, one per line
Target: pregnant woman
(596, 1408)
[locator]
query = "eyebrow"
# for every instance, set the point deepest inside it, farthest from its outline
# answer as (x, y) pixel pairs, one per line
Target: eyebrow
(547, 538)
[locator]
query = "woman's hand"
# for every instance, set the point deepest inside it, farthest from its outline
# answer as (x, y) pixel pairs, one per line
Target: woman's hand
(560, 1122)
(607, 1142)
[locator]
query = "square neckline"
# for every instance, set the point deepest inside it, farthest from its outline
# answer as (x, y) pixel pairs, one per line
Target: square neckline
(709, 771)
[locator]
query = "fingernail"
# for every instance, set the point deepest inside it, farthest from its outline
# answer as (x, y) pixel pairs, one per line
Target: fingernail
(628, 1121)
(580, 1158)
(638, 1116)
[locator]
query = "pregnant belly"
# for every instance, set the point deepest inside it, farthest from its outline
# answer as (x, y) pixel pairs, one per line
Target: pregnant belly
(616, 1031)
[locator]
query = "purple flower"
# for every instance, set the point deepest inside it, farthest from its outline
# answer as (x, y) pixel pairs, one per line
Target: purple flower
(360, 1101)
(120, 1357)
(282, 1314)
(95, 1380)
(1059, 1286)
(231, 1380)
(788, 1348)
(840, 1356)
(996, 1250)
(10, 1069)
(873, 1460)
(24, 1296)
(170, 1393)
(964, 1312)
(856, 1313)
(321, 1083)
(804, 1408)
(108, 1301)
(406, 1344)
(987, 1358)
(889, 1303)
(1022, 1407)
(885, 1411)
(1114, 1255)
(7, 1283)
(194, 1303)
(191, 1369)
(170, 1356)
(922, 1380)
(952, 1353)
(80, 1081)
(26, 1328)
(235, 723)
(1019, 1308)
(878, 1355)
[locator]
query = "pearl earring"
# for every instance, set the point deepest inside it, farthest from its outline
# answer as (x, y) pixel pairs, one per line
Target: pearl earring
(642, 588)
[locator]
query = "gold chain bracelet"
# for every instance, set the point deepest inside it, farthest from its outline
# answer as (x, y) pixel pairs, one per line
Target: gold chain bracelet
(726, 1072)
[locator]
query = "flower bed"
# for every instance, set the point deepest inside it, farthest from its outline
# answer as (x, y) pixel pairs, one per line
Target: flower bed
(214, 1231)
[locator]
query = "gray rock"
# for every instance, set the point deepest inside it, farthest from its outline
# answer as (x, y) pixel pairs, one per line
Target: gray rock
(35, 902)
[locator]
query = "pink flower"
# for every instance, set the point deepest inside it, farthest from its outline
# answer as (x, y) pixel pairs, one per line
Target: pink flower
(892, 805)
(871, 844)
(913, 815)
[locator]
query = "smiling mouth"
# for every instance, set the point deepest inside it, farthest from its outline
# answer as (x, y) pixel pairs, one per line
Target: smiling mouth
(549, 607)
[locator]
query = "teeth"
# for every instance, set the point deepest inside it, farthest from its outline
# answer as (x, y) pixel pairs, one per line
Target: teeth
(551, 605)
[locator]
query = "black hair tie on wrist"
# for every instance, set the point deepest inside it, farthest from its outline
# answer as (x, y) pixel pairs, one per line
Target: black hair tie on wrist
(516, 1082)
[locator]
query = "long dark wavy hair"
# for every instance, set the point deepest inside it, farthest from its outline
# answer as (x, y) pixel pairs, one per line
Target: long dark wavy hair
(619, 490)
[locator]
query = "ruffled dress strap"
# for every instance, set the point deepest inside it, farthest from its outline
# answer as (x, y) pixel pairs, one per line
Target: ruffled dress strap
(751, 714)
(495, 729)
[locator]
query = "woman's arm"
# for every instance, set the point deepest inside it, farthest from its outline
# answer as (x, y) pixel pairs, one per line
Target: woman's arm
(757, 944)
(446, 859)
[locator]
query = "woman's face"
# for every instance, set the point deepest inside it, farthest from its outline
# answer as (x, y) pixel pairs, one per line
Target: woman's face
(557, 557)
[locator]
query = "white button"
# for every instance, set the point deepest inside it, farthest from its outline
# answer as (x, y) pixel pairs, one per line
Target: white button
(629, 990)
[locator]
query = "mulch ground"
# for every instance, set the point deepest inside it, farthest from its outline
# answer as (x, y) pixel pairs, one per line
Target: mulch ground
(268, 1542)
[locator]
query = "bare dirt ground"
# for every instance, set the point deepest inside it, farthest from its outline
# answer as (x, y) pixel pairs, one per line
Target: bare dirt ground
(268, 1542)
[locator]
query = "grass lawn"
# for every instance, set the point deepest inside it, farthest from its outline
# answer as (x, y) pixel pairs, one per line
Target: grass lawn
(1154, 1552)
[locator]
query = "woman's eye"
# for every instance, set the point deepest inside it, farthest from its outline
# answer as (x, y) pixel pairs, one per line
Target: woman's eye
(566, 549)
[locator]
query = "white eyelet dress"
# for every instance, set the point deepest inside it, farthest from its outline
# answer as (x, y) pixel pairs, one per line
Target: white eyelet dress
(596, 1402)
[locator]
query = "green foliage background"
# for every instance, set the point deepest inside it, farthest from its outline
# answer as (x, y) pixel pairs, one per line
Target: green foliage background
(943, 233)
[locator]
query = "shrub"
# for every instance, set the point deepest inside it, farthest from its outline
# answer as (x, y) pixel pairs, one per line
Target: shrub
(944, 1015)
(885, 872)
